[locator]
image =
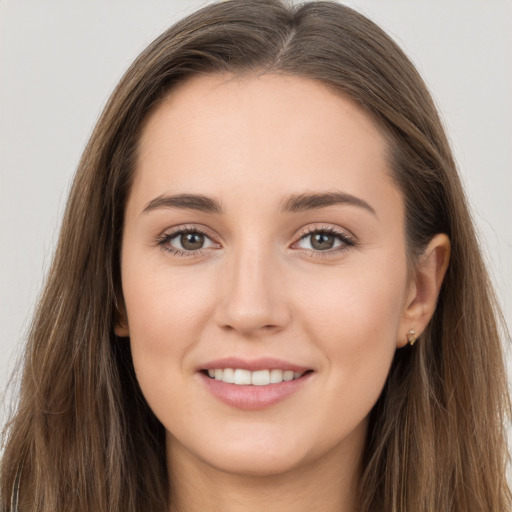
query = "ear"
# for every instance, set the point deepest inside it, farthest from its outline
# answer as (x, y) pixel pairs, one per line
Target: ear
(121, 324)
(426, 281)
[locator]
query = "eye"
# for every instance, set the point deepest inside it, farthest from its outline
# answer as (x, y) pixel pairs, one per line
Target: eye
(325, 240)
(189, 241)
(186, 241)
(319, 241)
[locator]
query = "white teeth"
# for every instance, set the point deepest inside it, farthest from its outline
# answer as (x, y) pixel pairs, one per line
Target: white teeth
(260, 378)
(242, 377)
(256, 378)
(287, 375)
(276, 376)
(228, 375)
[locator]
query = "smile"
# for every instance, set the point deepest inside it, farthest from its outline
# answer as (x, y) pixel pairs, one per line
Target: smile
(242, 377)
(253, 384)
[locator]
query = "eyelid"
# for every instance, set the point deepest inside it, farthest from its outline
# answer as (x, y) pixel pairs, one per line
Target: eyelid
(347, 238)
(169, 234)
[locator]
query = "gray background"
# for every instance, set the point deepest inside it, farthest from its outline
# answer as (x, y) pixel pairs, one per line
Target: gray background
(59, 60)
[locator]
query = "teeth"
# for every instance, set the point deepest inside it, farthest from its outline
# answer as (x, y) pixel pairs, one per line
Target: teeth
(276, 376)
(228, 375)
(242, 377)
(257, 378)
(260, 378)
(287, 375)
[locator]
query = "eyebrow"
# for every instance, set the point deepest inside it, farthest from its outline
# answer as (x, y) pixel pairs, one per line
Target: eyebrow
(195, 202)
(295, 203)
(303, 202)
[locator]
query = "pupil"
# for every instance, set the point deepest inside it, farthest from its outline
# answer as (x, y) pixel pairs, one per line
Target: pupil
(192, 241)
(322, 241)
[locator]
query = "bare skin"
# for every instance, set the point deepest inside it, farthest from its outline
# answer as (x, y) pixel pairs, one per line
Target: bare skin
(295, 490)
(263, 223)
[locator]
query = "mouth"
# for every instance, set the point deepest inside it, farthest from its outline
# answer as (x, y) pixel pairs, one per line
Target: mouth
(253, 385)
(243, 377)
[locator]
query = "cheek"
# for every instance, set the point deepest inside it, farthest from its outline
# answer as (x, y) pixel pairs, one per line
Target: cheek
(166, 312)
(160, 299)
(358, 304)
(354, 318)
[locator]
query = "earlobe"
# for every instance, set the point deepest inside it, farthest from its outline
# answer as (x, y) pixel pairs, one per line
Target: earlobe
(425, 287)
(121, 329)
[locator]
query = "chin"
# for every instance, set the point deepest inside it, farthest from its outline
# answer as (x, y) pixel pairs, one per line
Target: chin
(257, 464)
(264, 456)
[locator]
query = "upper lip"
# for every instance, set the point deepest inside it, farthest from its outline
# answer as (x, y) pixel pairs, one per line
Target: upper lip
(262, 363)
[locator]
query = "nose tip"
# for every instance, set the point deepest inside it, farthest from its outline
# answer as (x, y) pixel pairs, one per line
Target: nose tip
(253, 301)
(251, 322)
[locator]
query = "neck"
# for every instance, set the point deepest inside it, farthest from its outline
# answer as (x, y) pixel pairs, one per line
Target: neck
(330, 485)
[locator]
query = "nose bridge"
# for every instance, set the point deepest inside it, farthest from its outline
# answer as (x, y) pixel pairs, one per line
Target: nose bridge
(252, 298)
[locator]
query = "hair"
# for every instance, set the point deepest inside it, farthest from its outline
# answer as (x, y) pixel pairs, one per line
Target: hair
(83, 437)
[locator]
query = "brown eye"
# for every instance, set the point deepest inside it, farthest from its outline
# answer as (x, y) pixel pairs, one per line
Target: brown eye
(322, 241)
(325, 240)
(192, 241)
(186, 242)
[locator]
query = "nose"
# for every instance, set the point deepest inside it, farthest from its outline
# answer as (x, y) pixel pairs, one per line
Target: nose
(252, 299)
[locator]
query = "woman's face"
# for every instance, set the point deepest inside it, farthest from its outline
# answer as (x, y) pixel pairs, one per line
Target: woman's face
(263, 240)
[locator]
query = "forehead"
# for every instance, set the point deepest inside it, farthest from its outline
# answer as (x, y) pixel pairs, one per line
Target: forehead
(217, 133)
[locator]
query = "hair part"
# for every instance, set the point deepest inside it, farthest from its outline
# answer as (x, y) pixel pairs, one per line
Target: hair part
(84, 435)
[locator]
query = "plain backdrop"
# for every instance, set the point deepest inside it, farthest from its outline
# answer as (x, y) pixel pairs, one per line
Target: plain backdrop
(59, 61)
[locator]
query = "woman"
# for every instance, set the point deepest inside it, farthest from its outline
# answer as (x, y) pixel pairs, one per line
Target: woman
(267, 292)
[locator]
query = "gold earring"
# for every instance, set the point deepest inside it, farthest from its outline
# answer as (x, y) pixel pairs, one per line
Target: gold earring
(411, 336)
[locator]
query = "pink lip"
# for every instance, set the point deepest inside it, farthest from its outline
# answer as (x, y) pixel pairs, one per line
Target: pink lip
(252, 397)
(263, 363)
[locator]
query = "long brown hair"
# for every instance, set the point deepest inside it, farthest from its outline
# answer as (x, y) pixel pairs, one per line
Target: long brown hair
(83, 437)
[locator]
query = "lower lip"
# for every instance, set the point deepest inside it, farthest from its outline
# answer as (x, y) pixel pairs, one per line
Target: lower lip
(253, 397)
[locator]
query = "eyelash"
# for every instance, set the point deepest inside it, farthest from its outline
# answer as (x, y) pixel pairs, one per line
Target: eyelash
(347, 241)
(164, 240)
